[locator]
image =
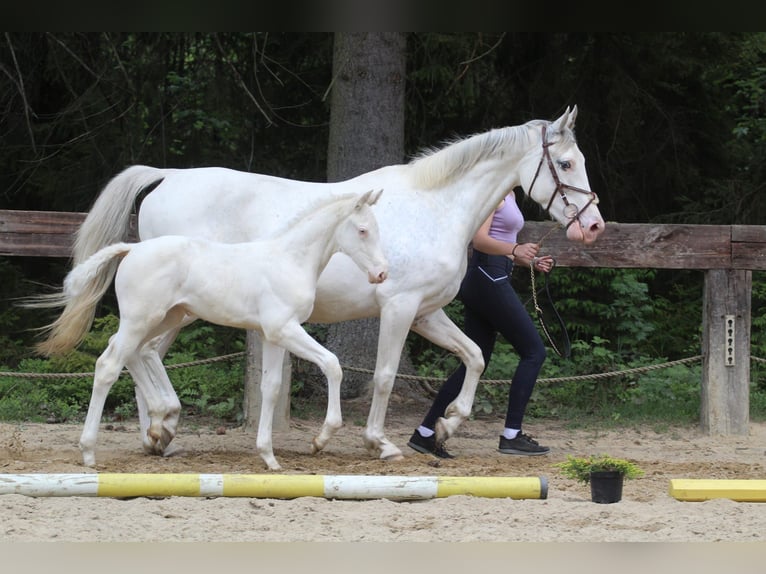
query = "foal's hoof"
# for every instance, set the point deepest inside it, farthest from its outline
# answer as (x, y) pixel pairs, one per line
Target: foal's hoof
(88, 459)
(173, 450)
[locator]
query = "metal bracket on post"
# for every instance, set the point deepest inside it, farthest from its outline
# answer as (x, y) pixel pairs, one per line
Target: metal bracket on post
(729, 344)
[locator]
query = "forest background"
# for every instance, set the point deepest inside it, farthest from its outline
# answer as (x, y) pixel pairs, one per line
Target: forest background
(672, 126)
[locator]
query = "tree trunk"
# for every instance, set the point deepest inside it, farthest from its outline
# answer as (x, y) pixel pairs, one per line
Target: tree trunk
(366, 132)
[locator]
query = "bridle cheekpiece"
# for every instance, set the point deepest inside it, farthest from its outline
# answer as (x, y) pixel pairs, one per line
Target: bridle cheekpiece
(571, 211)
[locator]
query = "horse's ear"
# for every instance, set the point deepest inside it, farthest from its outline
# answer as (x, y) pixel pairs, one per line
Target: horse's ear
(566, 121)
(572, 117)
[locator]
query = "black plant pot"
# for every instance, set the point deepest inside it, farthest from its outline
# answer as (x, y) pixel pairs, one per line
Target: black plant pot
(606, 486)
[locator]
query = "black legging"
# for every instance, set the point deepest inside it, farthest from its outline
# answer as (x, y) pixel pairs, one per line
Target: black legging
(491, 307)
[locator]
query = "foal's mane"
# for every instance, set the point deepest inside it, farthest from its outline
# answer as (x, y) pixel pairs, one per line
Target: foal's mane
(435, 167)
(310, 208)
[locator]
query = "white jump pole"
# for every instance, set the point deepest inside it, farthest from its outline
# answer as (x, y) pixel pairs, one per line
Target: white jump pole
(272, 486)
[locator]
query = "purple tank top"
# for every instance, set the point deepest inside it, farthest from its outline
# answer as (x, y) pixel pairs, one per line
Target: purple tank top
(507, 221)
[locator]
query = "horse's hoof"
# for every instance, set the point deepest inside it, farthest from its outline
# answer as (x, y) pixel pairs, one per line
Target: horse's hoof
(389, 452)
(392, 457)
(153, 448)
(316, 446)
(443, 429)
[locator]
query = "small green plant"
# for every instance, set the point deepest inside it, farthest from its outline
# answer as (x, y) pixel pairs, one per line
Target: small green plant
(579, 468)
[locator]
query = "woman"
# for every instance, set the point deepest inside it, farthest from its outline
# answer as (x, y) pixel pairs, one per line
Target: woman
(491, 307)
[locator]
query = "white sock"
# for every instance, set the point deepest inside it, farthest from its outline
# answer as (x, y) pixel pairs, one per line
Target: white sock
(510, 434)
(425, 432)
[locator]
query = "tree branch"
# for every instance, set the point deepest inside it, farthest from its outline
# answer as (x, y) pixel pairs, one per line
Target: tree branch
(20, 86)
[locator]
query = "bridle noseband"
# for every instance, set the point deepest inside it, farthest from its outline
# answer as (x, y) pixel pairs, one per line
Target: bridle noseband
(571, 211)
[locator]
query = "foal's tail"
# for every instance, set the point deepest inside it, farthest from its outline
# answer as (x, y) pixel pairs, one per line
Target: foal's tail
(107, 222)
(83, 289)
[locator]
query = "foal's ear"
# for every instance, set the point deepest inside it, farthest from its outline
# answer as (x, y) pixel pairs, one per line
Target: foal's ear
(370, 198)
(374, 196)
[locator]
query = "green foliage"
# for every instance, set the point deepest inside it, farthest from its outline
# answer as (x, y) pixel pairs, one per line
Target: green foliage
(214, 390)
(580, 468)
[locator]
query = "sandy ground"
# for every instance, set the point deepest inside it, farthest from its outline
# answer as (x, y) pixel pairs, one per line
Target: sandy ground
(646, 513)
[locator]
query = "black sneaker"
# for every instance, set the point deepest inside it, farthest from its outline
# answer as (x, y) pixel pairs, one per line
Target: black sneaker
(522, 444)
(428, 445)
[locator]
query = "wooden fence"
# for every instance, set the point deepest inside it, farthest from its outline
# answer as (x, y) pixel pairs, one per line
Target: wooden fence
(726, 253)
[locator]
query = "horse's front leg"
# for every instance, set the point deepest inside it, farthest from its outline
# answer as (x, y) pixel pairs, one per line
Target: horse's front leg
(395, 321)
(440, 330)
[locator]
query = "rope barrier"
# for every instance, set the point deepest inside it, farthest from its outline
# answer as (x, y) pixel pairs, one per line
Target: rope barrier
(370, 372)
(125, 372)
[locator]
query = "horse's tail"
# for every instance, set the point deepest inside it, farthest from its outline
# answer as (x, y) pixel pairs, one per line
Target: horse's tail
(108, 220)
(83, 289)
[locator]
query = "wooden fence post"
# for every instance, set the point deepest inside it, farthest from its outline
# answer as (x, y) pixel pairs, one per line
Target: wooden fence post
(725, 392)
(252, 400)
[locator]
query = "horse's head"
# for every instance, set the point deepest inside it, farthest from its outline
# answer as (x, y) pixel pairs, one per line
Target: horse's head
(557, 180)
(359, 238)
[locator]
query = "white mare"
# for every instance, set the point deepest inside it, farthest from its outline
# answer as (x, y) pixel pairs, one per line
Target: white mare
(267, 285)
(431, 209)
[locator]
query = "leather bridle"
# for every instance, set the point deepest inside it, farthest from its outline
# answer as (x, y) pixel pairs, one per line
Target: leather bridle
(571, 211)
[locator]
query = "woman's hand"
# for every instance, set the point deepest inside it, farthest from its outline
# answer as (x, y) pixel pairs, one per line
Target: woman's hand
(544, 263)
(526, 253)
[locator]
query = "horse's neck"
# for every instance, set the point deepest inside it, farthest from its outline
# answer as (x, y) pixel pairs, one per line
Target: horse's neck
(471, 199)
(490, 170)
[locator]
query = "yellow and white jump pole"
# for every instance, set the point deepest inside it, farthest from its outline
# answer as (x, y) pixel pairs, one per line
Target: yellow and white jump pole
(698, 490)
(360, 487)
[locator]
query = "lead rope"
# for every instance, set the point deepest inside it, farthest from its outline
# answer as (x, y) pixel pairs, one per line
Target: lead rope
(539, 312)
(538, 309)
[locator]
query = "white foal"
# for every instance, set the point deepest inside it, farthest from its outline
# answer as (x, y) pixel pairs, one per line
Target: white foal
(267, 285)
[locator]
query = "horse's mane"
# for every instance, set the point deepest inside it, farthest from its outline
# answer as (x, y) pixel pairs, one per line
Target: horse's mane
(434, 167)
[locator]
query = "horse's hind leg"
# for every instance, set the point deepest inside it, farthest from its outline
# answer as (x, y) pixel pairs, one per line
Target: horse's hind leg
(160, 411)
(159, 408)
(440, 330)
(144, 370)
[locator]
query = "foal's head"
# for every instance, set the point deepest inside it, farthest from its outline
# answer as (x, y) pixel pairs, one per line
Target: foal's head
(358, 237)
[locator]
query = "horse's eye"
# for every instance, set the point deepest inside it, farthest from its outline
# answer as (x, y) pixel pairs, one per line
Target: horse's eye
(565, 165)
(362, 231)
